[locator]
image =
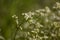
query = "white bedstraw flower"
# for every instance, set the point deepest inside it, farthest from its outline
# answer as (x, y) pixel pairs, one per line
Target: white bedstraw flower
(38, 10)
(13, 16)
(17, 21)
(26, 25)
(58, 4)
(23, 13)
(41, 38)
(59, 11)
(1, 37)
(31, 13)
(53, 35)
(32, 21)
(46, 20)
(42, 31)
(42, 10)
(16, 18)
(28, 15)
(20, 27)
(47, 9)
(37, 24)
(42, 14)
(45, 36)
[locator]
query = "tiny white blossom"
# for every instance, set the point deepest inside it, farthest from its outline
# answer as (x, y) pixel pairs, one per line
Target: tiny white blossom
(31, 13)
(46, 20)
(53, 35)
(26, 25)
(32, 21)
(42, 31)
(45, 36)
(17, 21)
(42, 14)
(20, 27)
(58, 4)
(26, 16)
(1, 37)
(38, 10)
(47, 9)
(13, 16)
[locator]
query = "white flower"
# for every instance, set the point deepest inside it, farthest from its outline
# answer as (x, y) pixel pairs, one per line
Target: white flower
(16, 18)
(42, 31)
(28, 33)
(20, 27)
(41, 38)
(59, 11)
(53, 35)
(46, 20)
(47, 9)
(42, 10)
(32, 21)
(26, 16)
(42, 14)
(13, 16)
(26, 25)
(38, 10)
(31, 13)
(58, 4)
(45, 36)
(17, 21)
(1, 37)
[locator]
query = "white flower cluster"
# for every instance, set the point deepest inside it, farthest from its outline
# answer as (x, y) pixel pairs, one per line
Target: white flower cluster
(16, 18)
(57, 5)
(28, 15)
(40, 22)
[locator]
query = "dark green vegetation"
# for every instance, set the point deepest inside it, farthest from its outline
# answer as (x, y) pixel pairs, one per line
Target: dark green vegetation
(8, 25)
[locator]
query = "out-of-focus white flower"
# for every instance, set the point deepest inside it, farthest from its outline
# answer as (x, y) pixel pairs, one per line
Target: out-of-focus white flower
(1, 37)
(32, 21)
(13, 16)
(20, 27)
(37, 30)
(41, 38)
(42, 31)
(58, 4)
(47, 9)
(45, 36)
(53, 35)
(38, 25)
(31, 13)
(42, 14)
(28, 33)
(58, 18)
(16, 18)
(42, 10)
(53, 16)
(38, 10)
(28, 15)
(46, 20)
(17, 21)
(59, 11)
(26, 25)
(23, 13)
(33, 31)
